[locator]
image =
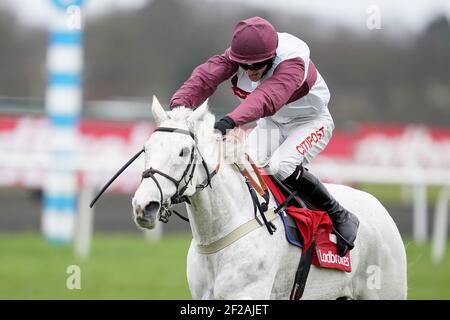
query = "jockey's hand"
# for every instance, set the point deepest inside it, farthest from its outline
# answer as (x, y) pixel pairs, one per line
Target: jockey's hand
(224, 124)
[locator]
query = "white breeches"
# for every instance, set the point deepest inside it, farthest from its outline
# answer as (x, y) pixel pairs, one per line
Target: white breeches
(282, 147)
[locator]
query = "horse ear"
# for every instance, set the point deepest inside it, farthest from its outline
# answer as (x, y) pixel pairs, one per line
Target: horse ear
(158, 112)
(199, 113)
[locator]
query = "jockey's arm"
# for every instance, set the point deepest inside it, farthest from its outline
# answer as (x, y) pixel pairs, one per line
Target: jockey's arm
(203, 81)
(272, 94)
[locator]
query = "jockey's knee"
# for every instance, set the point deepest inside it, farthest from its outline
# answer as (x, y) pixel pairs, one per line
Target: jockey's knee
(282, 169)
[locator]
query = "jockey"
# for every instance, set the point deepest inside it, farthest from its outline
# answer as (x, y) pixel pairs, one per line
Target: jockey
(279, 86)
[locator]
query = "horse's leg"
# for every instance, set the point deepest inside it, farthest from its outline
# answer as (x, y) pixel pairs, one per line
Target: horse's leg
(247, 269)
(230, 275)
(198, 275)
(245, 281)
(244, 288)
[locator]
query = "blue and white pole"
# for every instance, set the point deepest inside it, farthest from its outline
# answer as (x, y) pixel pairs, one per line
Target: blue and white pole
(63, 106)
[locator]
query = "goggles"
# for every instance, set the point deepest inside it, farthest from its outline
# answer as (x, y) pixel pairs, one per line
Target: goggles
(255, 66)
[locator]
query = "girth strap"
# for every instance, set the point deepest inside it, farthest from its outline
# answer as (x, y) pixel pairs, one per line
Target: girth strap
(302, 273)
(234, 235)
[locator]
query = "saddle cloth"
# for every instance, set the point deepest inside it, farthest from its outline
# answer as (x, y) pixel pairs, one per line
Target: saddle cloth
(310, 225)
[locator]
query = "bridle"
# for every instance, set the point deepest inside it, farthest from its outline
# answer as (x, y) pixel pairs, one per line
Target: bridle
(188, 172)
(179, 196)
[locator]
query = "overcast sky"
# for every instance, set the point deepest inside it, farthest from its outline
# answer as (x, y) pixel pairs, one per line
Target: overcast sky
(395, 14)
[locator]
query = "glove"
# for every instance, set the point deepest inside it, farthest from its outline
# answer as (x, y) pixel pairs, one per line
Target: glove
(224, 124)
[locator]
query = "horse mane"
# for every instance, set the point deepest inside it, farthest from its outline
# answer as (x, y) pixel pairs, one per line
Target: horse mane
(179, 114)
(201, 128)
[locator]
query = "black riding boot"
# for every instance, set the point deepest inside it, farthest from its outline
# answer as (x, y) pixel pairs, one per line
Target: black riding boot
(314, 192)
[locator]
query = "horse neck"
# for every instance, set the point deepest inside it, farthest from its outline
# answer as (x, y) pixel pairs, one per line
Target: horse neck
(215, 212)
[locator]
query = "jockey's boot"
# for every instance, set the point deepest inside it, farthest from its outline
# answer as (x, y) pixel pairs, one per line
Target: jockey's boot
(314, 192)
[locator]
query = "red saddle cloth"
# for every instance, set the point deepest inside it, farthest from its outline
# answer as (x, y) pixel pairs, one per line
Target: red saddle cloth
(314, 225)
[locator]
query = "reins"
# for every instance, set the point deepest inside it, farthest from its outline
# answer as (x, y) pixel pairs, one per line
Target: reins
(114, 177)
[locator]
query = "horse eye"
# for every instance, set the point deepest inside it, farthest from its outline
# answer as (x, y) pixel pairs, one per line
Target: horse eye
(184, 152)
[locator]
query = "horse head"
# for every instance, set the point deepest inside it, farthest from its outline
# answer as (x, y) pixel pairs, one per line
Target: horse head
(171, 157)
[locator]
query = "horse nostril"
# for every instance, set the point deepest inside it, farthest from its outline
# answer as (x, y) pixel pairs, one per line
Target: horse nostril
(152, 208)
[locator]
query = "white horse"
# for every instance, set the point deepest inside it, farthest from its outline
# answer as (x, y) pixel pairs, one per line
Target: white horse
(257, 265)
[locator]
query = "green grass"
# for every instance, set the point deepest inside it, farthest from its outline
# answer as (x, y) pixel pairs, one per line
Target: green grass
(130, 267)
(425, 279)
(120, 267)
